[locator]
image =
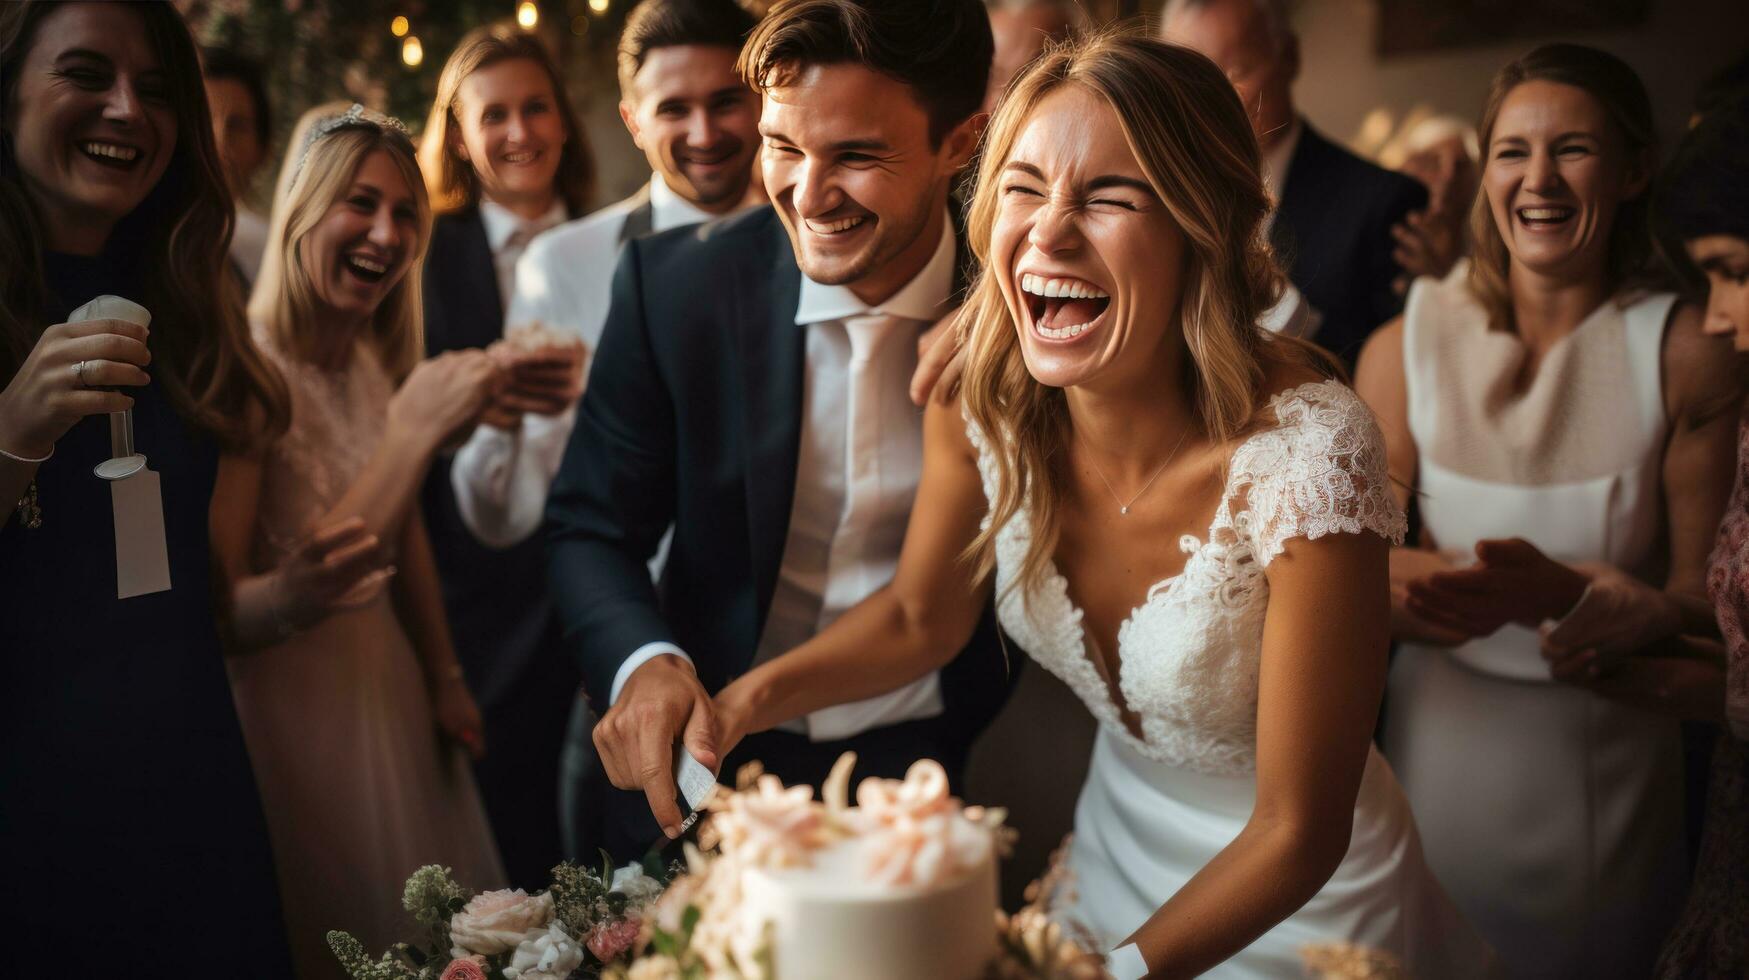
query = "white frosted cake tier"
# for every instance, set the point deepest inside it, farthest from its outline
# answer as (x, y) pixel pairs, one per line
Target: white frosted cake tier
(828, 920)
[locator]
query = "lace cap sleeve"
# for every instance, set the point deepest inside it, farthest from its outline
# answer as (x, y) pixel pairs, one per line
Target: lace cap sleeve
(1320, 471)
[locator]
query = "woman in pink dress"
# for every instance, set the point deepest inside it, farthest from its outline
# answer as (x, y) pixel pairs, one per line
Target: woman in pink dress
(346, 682)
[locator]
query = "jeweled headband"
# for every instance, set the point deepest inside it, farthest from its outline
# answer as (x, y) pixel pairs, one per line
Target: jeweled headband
(355, 117)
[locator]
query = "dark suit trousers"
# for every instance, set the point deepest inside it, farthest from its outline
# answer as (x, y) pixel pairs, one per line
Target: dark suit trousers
(885, 752)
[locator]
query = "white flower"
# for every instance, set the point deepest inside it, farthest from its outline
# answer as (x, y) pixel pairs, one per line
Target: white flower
(495, 922)
(545, 954)
(654, 968)
(638, 887)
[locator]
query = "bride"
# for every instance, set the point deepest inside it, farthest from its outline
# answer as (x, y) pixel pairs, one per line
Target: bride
(1118, 393)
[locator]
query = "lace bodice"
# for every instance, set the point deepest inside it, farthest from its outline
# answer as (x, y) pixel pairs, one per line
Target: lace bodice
(1188, 656)
(337, 422)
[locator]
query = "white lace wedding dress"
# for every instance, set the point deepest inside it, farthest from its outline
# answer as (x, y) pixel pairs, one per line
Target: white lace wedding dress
(1156, 809)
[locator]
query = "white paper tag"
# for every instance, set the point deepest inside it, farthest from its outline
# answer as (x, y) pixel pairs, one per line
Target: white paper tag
(142, 558)
(697, 783)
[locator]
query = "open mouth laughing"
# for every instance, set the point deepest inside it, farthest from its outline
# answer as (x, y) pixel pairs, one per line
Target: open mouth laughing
(119, 156)
(367, 268)
(1063, 307)
(841, 226)
(1545, 217)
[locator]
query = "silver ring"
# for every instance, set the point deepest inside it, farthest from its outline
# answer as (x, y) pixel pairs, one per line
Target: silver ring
(79, 374)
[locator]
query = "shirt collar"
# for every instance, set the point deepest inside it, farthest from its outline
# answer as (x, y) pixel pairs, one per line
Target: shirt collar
(1280, 157)
(923, 298)
(670, 210)
(502, 223)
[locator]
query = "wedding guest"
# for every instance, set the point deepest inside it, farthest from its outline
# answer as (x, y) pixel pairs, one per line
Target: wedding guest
(354, 706)
(1020, 30)
(1537, 402)
(1118, 223)
(697, 123)
(695, 120)
(506, 159)
(750, 390)
(1334, 212)
(127, 804)
(1657, 649)
(243, 129)
(1439, 154)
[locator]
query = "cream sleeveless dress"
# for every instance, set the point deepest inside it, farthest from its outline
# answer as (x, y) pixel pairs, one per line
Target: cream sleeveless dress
(1154, 810)
(1554, 817)
(359, 785)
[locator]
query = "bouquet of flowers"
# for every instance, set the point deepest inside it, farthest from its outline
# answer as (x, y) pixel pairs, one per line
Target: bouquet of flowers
(587, 920)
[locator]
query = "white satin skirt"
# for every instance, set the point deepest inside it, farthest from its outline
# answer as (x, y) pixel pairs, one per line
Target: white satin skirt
(1144, 828)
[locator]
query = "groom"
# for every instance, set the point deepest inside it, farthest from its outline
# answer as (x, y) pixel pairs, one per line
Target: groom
(750, 388)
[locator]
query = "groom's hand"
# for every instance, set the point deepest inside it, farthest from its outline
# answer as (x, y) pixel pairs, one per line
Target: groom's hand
(661, 701)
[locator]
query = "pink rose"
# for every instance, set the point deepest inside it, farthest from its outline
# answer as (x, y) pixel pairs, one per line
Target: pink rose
(495, 922)
(471, 968)
(611, 940)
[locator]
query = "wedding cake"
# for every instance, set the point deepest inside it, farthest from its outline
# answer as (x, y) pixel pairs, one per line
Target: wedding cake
(900, 886)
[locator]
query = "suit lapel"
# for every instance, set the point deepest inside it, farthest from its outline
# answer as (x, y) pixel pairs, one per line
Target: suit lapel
(483, 323)
(772, 353)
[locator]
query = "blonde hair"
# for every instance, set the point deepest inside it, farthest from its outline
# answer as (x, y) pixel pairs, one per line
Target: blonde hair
(1183, 121)
(450, 180)
(312, 178)
(1617, 88)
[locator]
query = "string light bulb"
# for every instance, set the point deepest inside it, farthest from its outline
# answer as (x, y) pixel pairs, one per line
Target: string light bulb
(579, 25)
(527, 15)
(412, 52)
(599, 6)
(399, 26)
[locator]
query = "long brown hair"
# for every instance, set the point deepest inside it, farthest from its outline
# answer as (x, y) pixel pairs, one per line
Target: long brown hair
(203, 357)
(450, 180)
(314, 176)
(1619, 91)
(1187, 129)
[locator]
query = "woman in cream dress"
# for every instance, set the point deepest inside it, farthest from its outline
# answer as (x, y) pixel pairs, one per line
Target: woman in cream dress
(1547, 415)
(346, 684)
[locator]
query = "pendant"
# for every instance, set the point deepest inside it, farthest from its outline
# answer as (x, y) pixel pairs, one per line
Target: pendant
(30, 513)
(1123, 510)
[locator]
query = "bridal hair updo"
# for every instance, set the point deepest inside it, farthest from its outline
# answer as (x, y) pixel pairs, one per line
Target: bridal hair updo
(1188, 131)
(1618, 90)
(316, 174)
(201, 352)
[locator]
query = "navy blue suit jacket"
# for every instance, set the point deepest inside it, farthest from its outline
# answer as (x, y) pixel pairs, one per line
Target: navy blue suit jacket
(692, 415)
(1332, 233)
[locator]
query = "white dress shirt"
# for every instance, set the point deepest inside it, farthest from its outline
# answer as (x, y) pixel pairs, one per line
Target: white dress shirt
(860, 460)
(508, 235)
(564, 279)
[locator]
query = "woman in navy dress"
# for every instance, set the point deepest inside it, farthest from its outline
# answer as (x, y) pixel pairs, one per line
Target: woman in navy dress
(131, 834)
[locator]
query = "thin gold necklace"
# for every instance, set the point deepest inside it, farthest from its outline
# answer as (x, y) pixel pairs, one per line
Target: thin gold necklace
(1123, 508)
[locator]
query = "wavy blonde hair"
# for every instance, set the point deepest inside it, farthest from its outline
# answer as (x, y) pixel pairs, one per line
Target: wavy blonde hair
(1188, 131)
(310, 181)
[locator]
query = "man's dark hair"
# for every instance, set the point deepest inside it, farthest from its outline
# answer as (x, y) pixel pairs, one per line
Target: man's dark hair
(217, 63)
(671, 23)
(1702, 191)
(941, 49)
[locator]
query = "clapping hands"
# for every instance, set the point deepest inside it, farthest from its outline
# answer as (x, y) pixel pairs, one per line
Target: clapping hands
(1511, 582)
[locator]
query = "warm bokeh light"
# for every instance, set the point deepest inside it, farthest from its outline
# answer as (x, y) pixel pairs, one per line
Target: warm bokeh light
(579, 25)
(599, 6)
(399, 26)
(412, 52)
(527, 14)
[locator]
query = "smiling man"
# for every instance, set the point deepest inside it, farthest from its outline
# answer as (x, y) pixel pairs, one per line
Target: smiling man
(750, 388)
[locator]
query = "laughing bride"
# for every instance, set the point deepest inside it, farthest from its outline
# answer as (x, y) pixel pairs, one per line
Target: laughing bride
(1177, 514)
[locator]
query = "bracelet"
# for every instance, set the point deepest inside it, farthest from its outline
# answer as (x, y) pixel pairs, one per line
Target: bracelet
(27, 459)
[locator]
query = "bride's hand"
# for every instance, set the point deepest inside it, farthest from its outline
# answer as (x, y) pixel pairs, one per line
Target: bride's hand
(733, 714)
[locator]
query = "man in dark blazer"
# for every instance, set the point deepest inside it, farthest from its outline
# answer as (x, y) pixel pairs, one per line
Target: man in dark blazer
(720, 401)
(1334, 211)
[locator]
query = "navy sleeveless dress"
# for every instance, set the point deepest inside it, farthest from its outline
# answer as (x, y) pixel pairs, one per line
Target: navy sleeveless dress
(131, 834)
